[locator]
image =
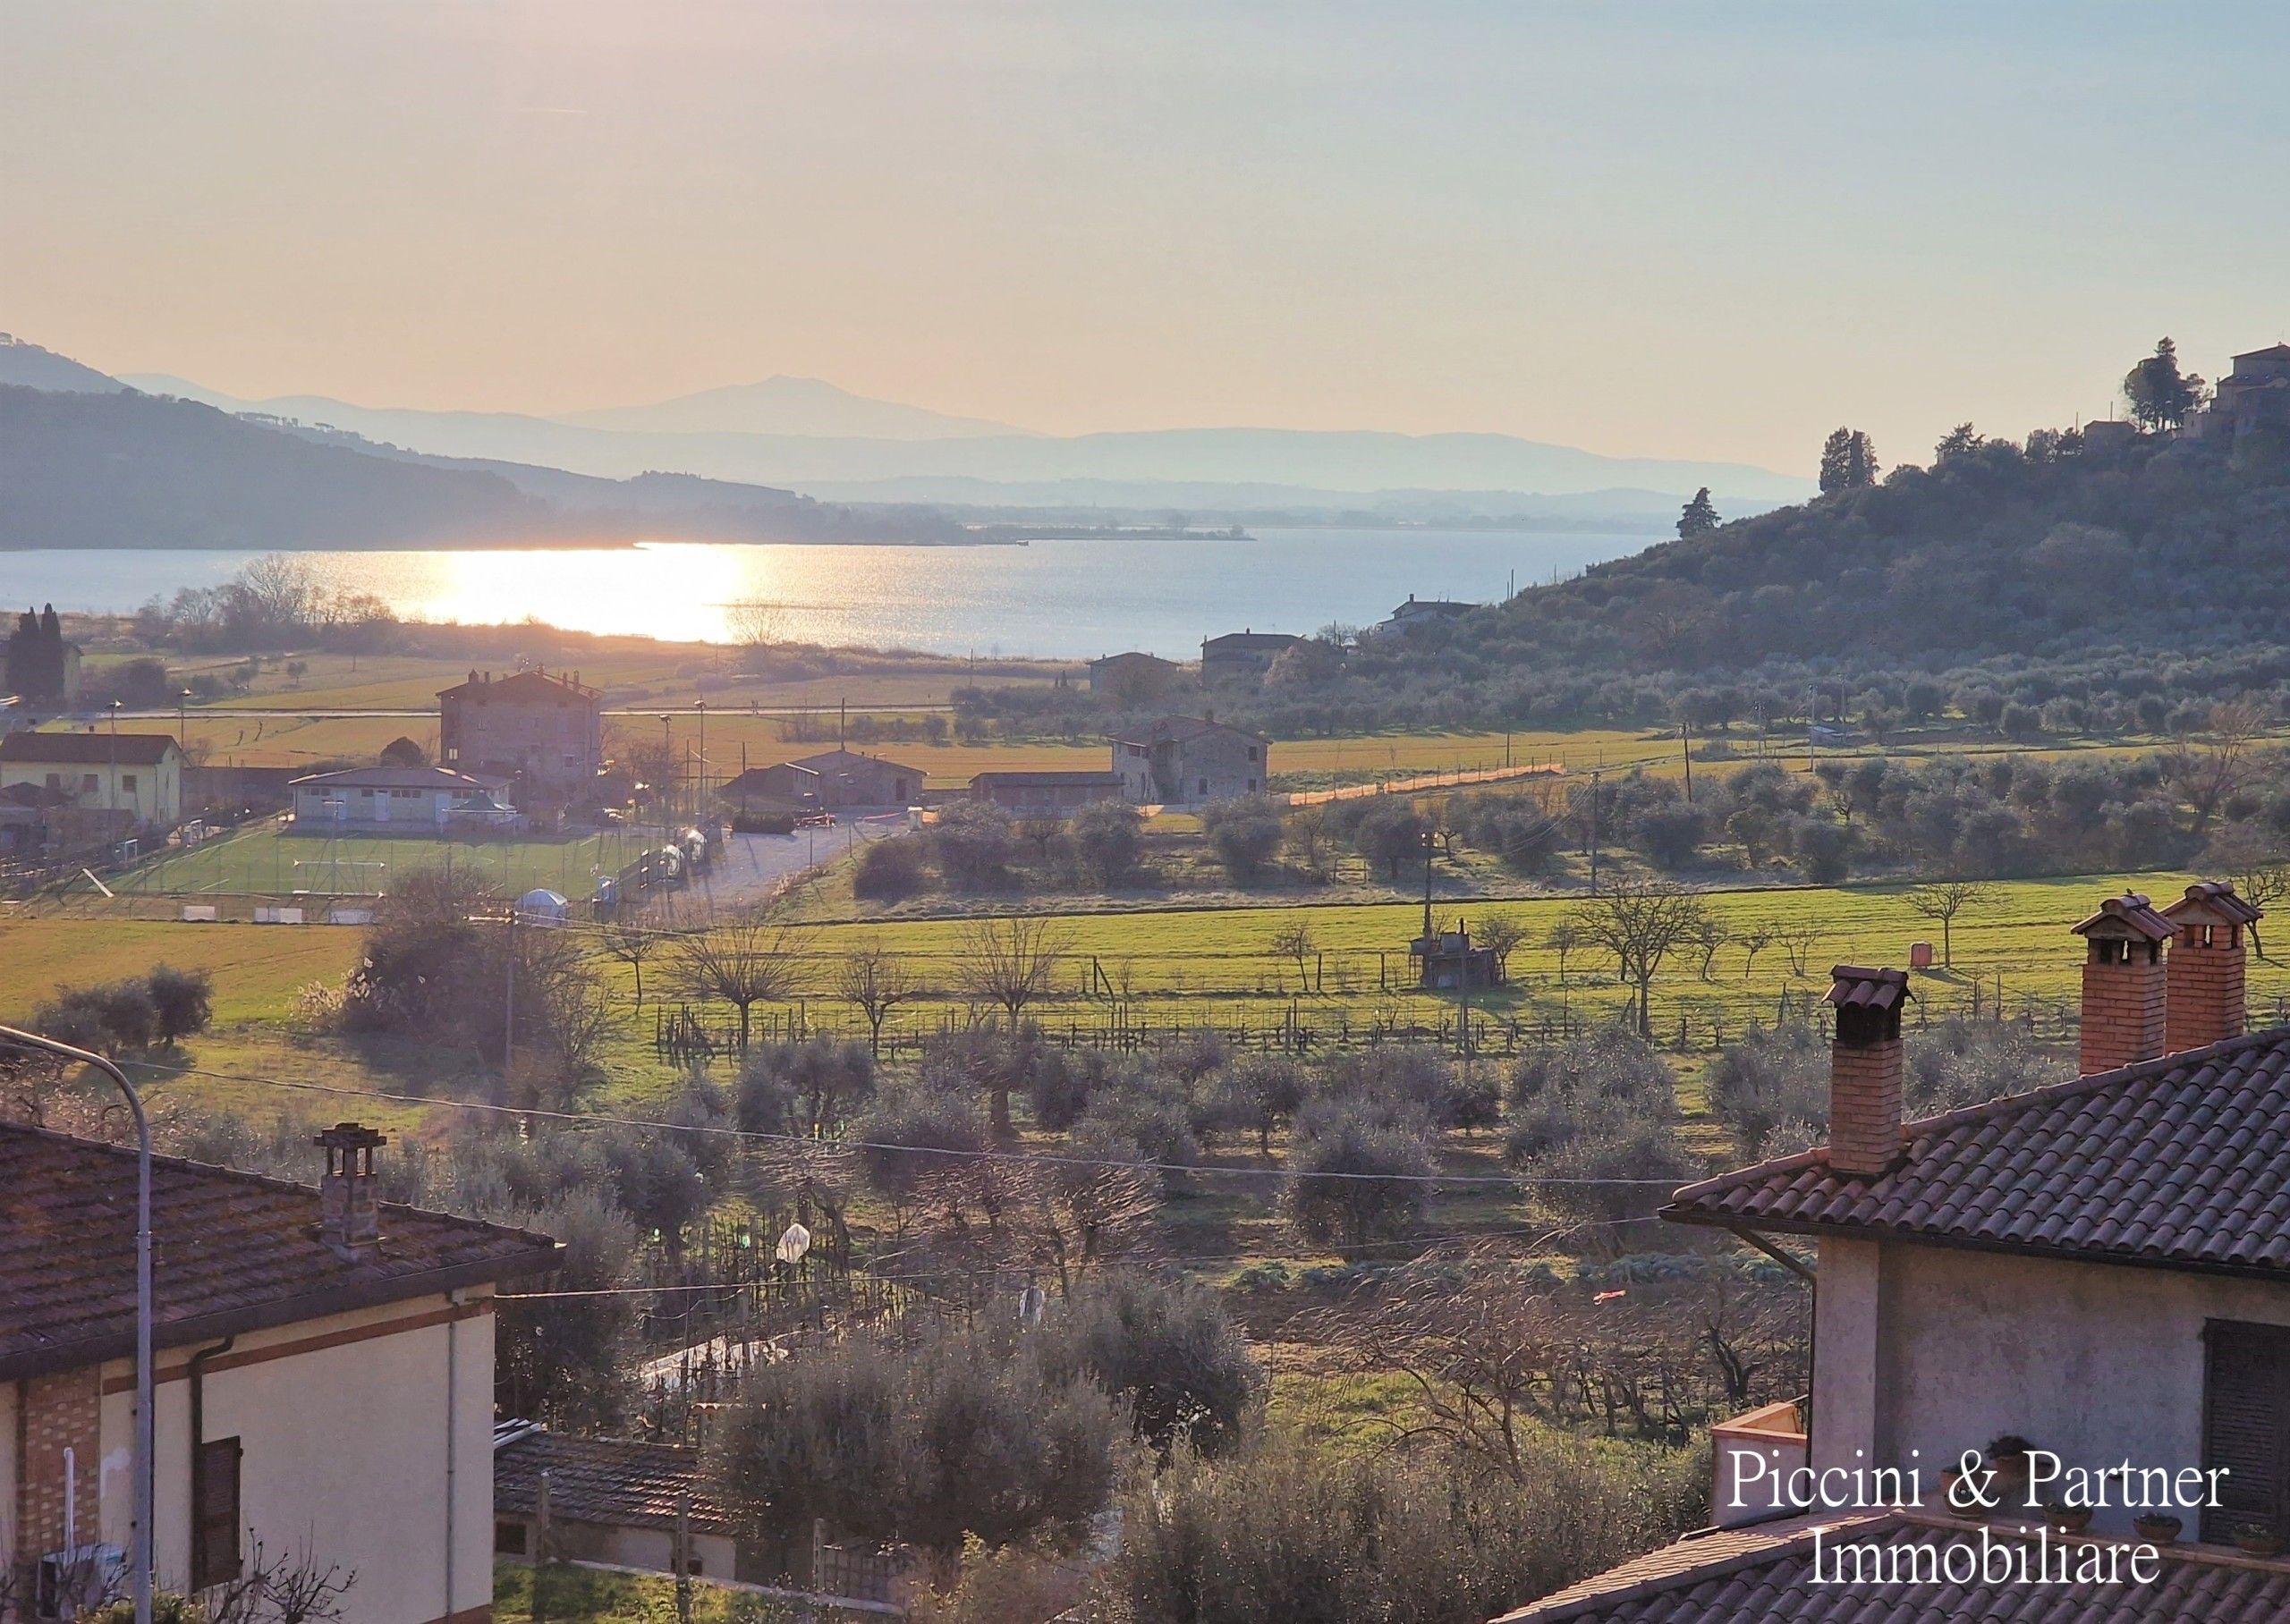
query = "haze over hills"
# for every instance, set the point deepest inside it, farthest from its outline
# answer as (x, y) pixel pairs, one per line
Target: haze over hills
(788, 406)
(24, 363)
(1003, 465)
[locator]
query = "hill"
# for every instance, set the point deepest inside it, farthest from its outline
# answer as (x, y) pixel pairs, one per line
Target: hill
(787, 406)
(29, 367)
(2033, 573)
(126, 470)
(1006, 466)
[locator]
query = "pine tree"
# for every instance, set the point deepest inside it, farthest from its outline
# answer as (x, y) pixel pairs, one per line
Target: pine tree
(1700, 517)
(1848, 462)
(2160, 395)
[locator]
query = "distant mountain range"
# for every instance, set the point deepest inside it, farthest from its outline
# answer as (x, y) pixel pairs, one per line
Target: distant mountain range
(818, 438)
(86, 462)
(153, 460)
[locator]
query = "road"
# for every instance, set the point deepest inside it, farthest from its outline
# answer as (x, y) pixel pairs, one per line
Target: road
(755, 868)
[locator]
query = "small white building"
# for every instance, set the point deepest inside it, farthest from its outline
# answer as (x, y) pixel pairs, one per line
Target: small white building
(324, 1378)
(133, 779)
(403, 799)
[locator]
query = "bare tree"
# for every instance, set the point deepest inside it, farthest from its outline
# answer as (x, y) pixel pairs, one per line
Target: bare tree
(2208, 767)
(2257, 864)
(1565, 937)
(1710, 936)
(1500, 933)
(1011, 962)
(1754, 940)
(1296, 941)
(744, 965)
(876, 981)
(1944, 901)
(1641, 923)
(1798, 942)
(632, 944)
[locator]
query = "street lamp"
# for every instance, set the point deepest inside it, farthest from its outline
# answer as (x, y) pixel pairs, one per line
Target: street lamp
(182, 726)
(141, 1576)
(700, 785)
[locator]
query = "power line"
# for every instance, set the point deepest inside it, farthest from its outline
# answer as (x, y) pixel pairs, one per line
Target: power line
(590, 1118)
(1182, 1260)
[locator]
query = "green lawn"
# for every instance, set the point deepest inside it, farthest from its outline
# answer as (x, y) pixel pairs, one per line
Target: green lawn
(268, 862)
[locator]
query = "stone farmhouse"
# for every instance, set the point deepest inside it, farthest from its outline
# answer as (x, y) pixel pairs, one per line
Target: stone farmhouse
(2252, 398)
(324, 1378)
(1242, 656)
(2097, 1271)
(831, 781)
(1182, 760)
(543, 733)
(1133, 678)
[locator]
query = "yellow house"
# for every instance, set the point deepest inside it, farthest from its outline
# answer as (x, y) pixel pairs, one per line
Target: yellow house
(324, 1392)
(139, 774)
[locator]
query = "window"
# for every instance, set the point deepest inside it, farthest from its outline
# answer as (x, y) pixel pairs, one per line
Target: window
(127, 783)
(87, 783)
(509, 1537)
(215, 1513)
(2246, 1427)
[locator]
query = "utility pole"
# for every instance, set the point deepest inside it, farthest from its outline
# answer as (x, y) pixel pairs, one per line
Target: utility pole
(509, 996)
(1594, 832)
(1431, 843)
(1813, 724)
(1685, 753)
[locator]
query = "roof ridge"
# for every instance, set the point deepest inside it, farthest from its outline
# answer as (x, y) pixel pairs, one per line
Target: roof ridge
(264, 1180)
(2002, 1106)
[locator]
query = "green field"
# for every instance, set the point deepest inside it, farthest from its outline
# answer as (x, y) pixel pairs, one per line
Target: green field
(1223, 960)
(267, 861)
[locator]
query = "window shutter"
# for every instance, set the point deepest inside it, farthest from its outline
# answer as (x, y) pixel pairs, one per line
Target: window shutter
(2246, 1427)
(215, 1514)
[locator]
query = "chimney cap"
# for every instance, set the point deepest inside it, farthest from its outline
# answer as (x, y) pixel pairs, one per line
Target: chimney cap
(351, 1135)
(2212, 902)
(1857, 987)
(2129, 917)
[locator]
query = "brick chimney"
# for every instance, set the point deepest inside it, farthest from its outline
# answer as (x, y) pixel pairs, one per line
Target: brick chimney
(2203, 976)
(349, 1219)
(1865, 1065)
(2123, 983)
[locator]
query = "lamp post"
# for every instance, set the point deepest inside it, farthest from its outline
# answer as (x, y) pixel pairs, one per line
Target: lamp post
(700, 785)
(182, 724)
(141, 1576)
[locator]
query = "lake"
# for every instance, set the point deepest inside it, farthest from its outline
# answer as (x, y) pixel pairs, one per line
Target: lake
(1057, 599)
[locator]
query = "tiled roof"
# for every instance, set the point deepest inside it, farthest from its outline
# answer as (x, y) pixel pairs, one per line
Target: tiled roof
(1851, 986)
(2183, 1162)
(1183, 729)
(231, 1251)
(2129, 917)
(391, 778)
(845, 761)
(521, 685)
(88, 749)
(616, 1482)
(1766, 1573)
(1046, 780)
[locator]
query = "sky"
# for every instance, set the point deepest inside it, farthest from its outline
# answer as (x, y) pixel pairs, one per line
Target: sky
(1661, 230)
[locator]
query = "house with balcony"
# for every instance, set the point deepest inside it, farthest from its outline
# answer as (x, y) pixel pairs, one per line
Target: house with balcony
(2098, 1269)
(323, 1379)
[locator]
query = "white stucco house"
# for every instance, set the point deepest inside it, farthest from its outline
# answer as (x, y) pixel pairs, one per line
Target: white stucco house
(2099, 1268)
(409, 800)
(324, 1379)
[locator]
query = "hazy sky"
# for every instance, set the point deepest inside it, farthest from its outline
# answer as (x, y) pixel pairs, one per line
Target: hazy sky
(1710, 231)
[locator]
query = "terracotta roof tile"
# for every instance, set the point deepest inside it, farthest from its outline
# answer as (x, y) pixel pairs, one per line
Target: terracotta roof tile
(2183, 1161)
(230, 1251)
(618, 1482)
